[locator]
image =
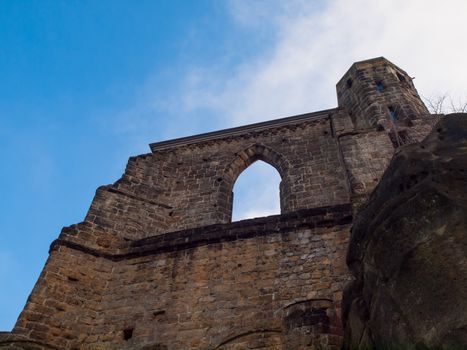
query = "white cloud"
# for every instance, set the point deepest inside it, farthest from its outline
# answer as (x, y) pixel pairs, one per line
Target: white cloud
(312, 44)
(251, 214)
(315, 47)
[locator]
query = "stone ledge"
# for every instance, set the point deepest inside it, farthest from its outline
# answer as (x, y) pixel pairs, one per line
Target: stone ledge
(214, 135)
(114, 189)
(9, 340)
(180, 240)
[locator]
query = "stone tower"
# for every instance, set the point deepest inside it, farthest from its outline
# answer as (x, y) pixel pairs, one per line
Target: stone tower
(158, 264)
(378, 92)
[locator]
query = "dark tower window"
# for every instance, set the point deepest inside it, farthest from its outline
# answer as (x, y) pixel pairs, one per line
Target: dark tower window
(349, 83)
(127, 333)
(400, 138)
(393, 113)
(379, 86)
(400, 77)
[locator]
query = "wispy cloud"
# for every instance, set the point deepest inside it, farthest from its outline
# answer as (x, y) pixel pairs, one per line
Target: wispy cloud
(311, 48)
(314, 47)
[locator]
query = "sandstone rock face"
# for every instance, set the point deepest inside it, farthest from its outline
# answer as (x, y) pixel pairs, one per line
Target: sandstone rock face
(408, 248)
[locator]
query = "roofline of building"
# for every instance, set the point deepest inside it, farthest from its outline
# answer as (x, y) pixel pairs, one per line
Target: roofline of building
(376, 60)
(296, 119)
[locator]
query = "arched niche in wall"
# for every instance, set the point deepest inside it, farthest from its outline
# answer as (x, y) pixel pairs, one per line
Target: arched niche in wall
(253, 339)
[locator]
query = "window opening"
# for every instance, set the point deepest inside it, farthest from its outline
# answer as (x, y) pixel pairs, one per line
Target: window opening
(256, 192)
(400, 77)
(380, 86)
(127, 333)
(399, 138)
(393, 113)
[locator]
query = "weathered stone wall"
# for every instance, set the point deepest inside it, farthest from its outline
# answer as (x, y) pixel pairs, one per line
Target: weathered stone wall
(66, 301)
(191, 185)
(220, 295)
(275, 281)
(157, 262)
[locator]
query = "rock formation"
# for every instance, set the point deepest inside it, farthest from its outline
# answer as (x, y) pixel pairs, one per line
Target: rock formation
(408, 249)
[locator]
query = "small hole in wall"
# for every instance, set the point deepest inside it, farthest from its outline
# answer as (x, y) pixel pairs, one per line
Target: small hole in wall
(171, 213)
(349, 83)
(219, 179)
(393, 113)
(127, 333)
(72, 279)
(400, 77)
(158, 313)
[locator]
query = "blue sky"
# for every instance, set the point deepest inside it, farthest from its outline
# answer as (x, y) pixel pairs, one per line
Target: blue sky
(86, 84)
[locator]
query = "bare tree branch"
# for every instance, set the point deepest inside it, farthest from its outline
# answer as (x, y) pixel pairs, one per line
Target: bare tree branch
(438, 104)
(435, 104)
(459, 107)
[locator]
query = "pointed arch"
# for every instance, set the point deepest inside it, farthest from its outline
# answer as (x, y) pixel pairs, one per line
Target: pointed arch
(243, 160)
(256, 192)
(251, 154)
(270, 338)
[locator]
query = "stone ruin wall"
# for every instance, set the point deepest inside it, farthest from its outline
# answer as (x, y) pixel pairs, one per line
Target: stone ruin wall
(191, 185)
(157, 262)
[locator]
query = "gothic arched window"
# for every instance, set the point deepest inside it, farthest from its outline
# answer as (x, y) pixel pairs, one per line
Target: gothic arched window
(256, 192)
